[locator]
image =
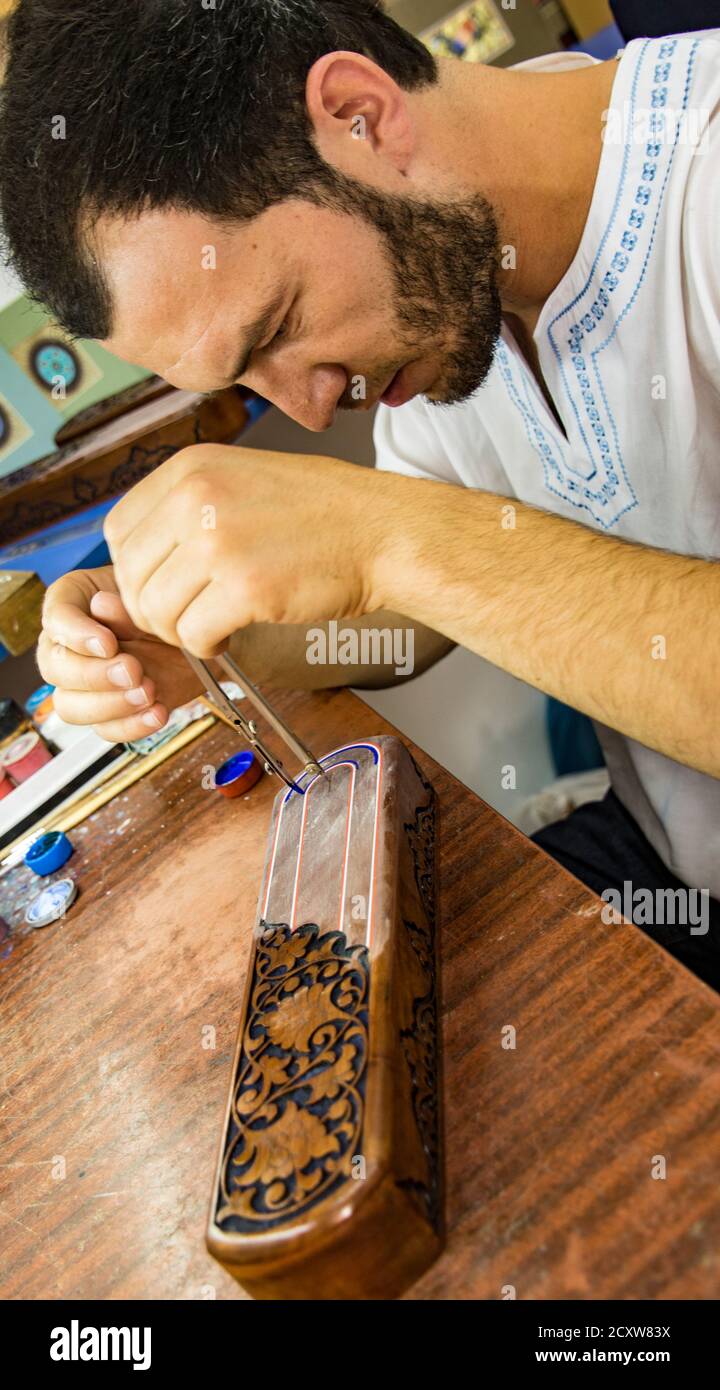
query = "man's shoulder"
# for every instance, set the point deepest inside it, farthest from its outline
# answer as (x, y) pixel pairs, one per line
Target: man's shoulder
(660, 141)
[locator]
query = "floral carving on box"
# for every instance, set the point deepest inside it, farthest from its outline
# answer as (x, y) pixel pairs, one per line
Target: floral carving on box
(297, 1108)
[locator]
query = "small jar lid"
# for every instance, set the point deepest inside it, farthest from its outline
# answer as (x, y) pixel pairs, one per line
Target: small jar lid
(49, 853)
(52, 904)
(38, 697)
(238, 773)
(43, 711)
(19, 748)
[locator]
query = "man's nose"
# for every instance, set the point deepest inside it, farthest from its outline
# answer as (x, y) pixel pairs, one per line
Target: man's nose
(310, 396)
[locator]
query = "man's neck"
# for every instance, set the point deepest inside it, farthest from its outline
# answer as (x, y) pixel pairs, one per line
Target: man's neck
(530, 143)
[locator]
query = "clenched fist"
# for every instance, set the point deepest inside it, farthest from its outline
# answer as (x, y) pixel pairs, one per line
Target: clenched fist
(218, 538)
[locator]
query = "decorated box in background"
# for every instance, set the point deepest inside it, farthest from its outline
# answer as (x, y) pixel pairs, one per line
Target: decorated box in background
(475, 32)
(45, 378)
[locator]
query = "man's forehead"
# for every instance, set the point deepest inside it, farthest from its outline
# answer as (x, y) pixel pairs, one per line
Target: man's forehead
(174, 277)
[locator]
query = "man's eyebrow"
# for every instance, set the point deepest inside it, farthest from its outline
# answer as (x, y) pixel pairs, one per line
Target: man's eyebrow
(254, 333)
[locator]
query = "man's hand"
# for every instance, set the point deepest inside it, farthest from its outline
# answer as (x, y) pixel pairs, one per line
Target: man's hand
(106, 672)
(218, 538)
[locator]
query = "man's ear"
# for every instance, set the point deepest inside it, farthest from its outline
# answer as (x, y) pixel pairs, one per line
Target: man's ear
(359, 114)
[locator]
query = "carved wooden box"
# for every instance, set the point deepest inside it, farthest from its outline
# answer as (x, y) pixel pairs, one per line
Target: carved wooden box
(329, 1177)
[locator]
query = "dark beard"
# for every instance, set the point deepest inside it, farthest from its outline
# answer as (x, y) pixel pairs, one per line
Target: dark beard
(444, 260)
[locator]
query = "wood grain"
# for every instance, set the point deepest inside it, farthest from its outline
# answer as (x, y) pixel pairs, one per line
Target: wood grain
(114, 455)
(549, 1146)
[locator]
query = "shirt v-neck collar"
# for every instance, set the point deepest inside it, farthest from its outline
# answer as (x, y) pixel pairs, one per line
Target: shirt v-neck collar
(606, 180)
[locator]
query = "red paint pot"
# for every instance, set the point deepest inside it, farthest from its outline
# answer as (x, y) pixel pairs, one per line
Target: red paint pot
(6, 785)
(238, 774)
(25, 756)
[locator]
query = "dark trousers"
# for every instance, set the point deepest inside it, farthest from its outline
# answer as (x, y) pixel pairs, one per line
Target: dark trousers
(603, 846)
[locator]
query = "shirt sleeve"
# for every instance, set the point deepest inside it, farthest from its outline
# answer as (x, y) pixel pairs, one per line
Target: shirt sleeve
(406, 442)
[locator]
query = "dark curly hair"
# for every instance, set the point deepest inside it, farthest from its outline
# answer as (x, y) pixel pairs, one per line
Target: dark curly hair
(120, 106)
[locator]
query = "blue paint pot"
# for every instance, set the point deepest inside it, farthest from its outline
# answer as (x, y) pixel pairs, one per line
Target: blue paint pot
(238, 774)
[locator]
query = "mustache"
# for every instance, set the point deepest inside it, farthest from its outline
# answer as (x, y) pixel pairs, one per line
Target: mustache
(363, 387)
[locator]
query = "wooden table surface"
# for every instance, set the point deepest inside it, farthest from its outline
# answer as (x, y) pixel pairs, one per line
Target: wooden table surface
(108, 1074)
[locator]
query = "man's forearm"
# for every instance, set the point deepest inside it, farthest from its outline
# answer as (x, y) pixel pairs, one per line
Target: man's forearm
(285, 655)
(627, 634)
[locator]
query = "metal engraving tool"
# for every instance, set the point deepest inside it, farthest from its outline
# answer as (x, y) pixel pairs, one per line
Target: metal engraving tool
(247, 727)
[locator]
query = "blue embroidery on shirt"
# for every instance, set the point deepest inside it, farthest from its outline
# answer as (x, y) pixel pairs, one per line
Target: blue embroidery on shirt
(611, 493)
(552, 454)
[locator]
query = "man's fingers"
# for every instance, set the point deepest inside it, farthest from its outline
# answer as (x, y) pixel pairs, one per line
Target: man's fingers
(66, 613)
(96, 684)
(89, 707)
(149, 547)
(110, 610)
(68, 625)
(175, 577)
(63, 667)
(151, 492)
(124, 730)
(203, 627)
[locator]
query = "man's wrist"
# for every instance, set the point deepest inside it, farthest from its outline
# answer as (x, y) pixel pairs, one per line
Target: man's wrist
(393, 553)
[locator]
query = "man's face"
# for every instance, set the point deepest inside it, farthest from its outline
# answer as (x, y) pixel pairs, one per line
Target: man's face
(314, 309)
